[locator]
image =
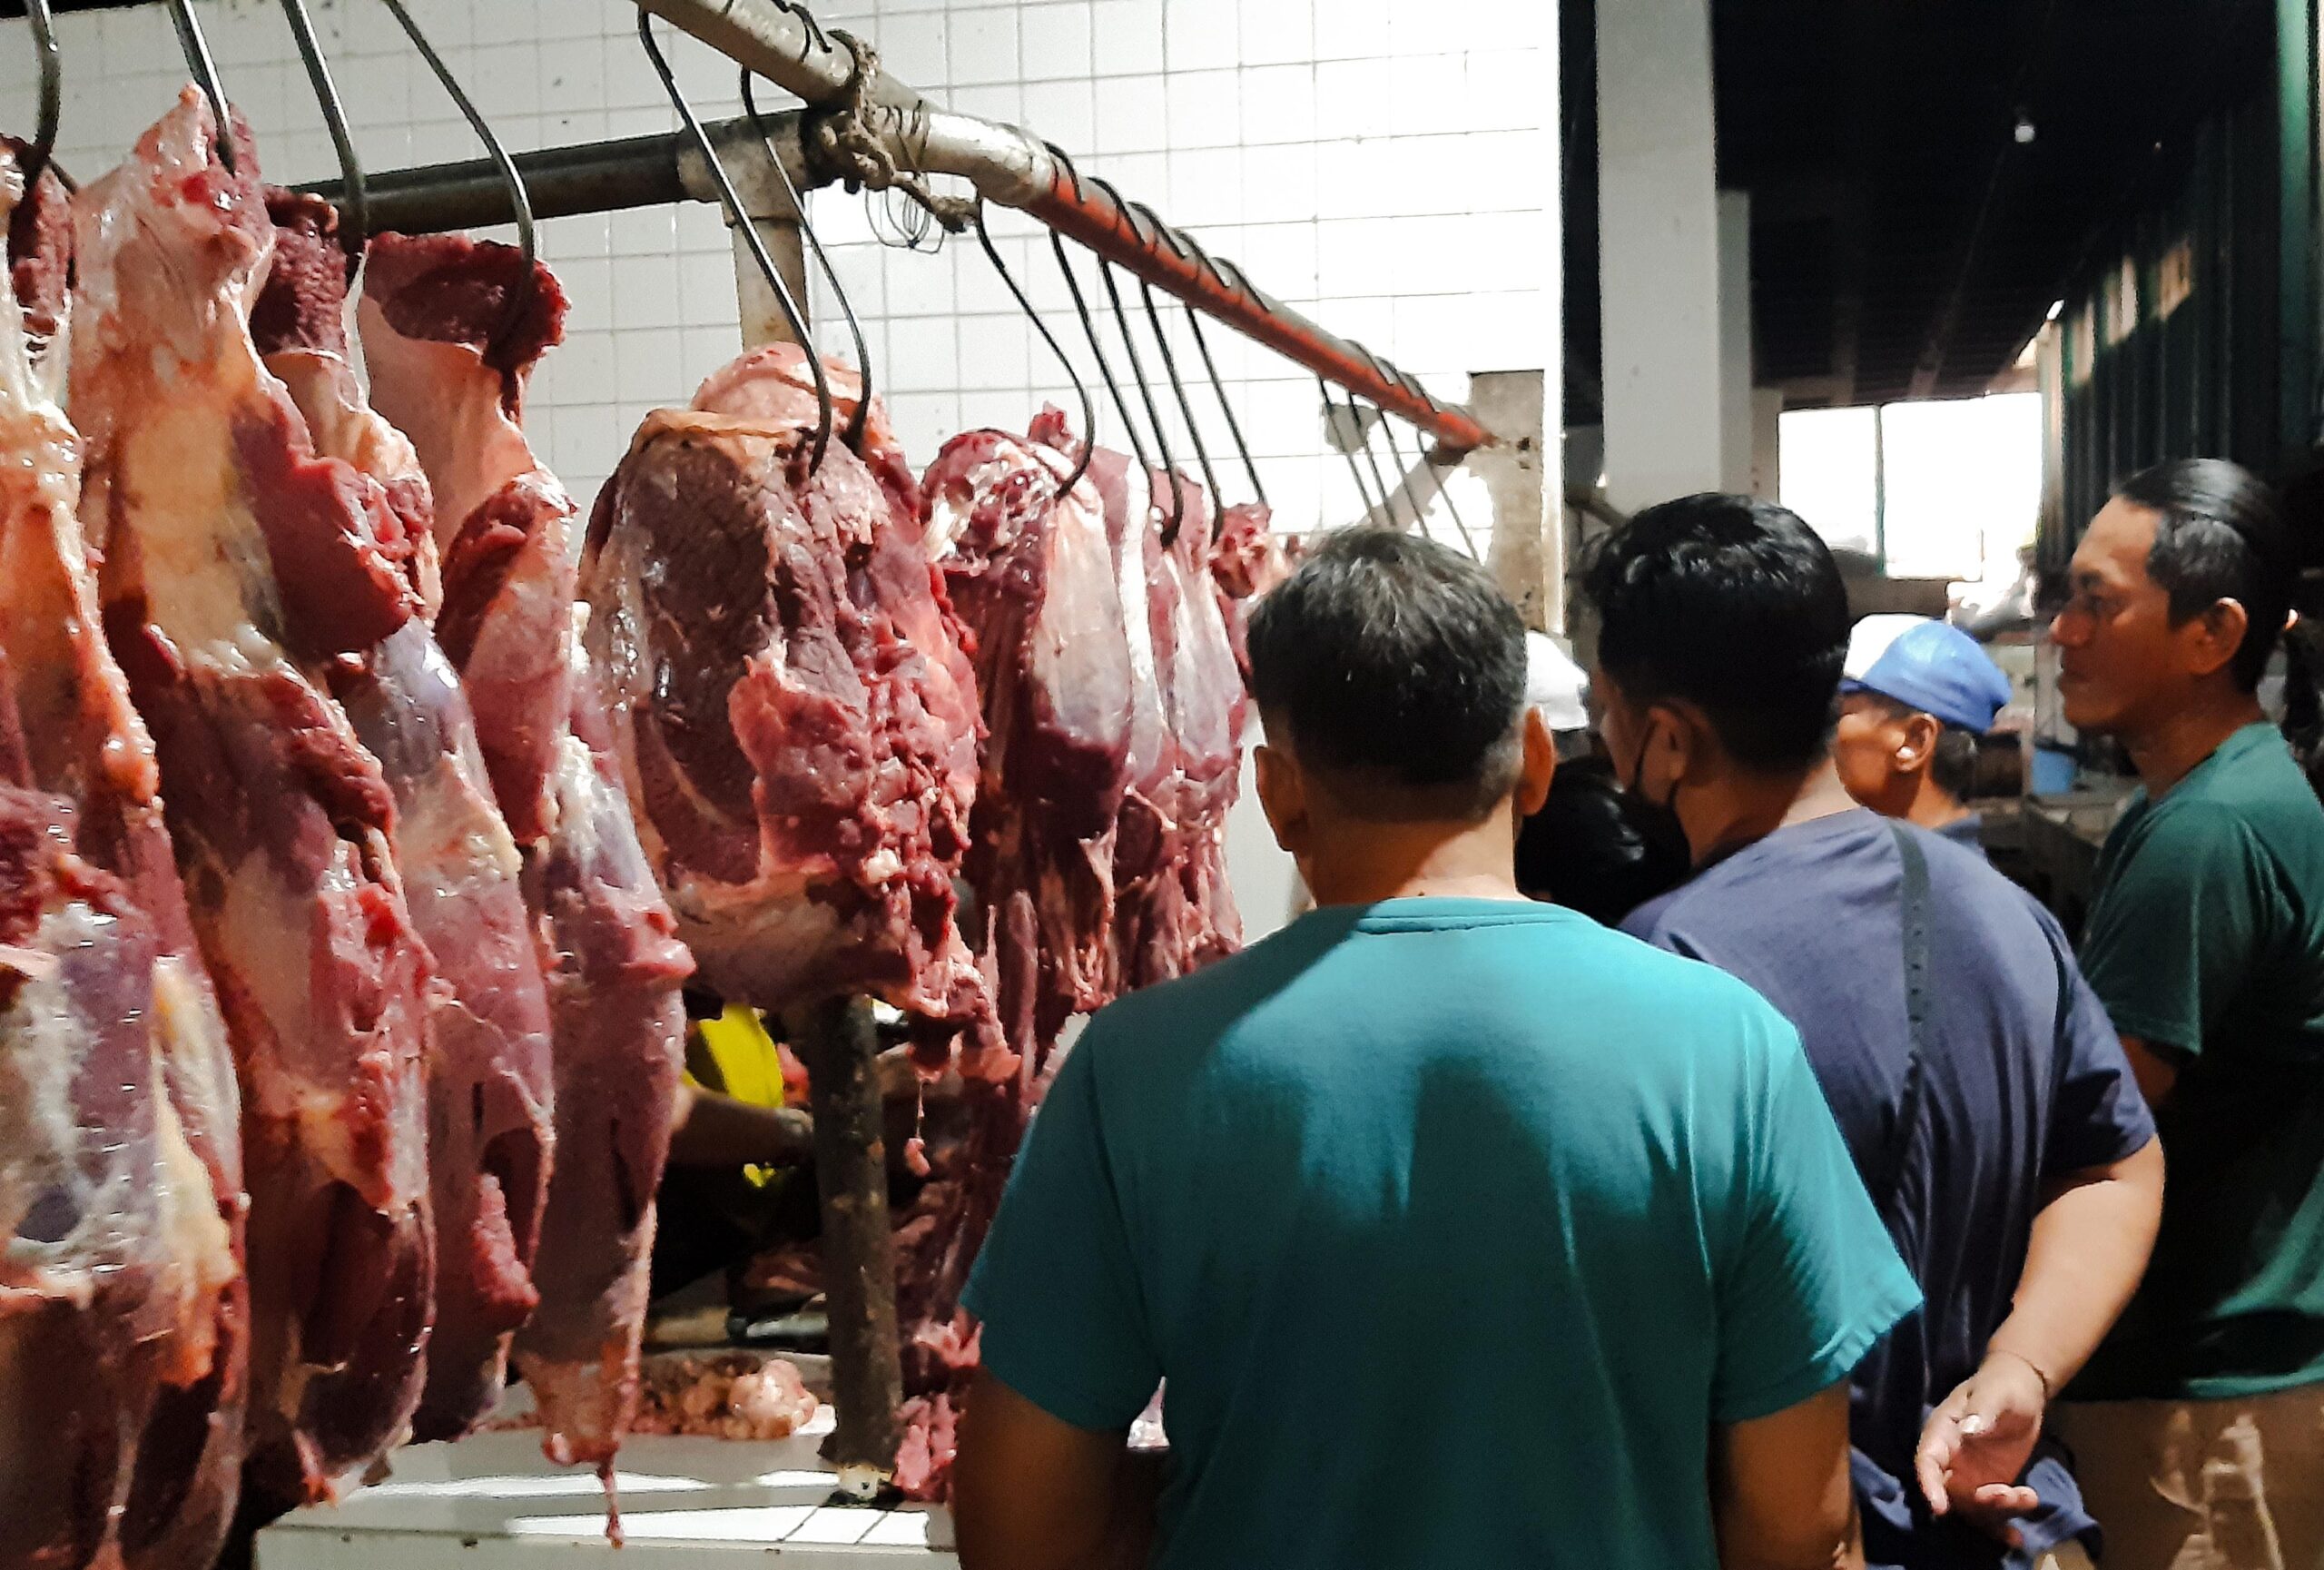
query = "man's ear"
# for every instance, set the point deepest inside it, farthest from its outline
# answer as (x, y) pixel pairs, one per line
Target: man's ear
(2210, 640)
(1686, 733)
(1540, 766)
(1282, 796)
(1917, 742)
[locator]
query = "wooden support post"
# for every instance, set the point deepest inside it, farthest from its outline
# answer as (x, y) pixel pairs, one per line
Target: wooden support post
(841, 1049)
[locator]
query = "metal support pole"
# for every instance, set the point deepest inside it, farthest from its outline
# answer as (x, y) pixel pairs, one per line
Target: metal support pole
(766, 198)
(840, 1048)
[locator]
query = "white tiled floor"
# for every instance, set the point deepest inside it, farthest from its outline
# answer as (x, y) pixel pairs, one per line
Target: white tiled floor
(691, 1503)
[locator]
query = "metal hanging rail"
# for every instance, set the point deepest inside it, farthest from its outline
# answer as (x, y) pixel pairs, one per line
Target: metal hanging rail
(864, 127)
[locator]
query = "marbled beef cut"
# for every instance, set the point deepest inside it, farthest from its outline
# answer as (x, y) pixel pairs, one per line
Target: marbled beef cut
(236, 562)
(449, 362)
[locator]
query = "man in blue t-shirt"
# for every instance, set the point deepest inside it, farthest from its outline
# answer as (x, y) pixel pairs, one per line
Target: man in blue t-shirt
(1976, 1077)
(1466, 1232)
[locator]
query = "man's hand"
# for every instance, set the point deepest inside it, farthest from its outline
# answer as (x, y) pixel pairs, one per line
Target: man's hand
(1974, 1446)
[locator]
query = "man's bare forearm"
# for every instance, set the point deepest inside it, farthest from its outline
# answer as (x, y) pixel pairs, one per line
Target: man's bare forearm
(720, 1131)
(2089, 1247)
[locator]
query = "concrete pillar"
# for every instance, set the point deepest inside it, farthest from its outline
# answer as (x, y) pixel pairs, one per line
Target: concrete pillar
(1736, 350)
(1658, 251)
(1766, 443)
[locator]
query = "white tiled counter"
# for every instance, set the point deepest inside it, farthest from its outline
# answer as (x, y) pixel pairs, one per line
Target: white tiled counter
(492, 1502)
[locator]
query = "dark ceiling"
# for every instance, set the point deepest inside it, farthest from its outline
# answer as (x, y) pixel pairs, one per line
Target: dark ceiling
(1905, 243)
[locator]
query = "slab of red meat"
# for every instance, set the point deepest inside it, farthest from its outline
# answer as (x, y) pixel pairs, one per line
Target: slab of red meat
(490, 1068)
(448, 367)
(773, 384)
(1032, 575)
(1172, 909)
(793, 714)
(228, 544)
(122, 1306)
(1207, 705)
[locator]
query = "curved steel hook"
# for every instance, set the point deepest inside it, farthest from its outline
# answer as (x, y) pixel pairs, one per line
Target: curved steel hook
(1372, 459)
(856, 422)
(1179, 386)
(1218, 386)
(1396, 452)
(1146, 396)
(204, 67)
(1405, 476)
(355, 219)
(51, 91)
(1088, 407)
(733, 202)
(1098, 353)
(520, 299)
(1138, 374)
(1331, 413)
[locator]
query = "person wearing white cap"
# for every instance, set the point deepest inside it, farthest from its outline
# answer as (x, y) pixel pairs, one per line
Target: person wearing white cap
(1914, 696)
(1556, 686)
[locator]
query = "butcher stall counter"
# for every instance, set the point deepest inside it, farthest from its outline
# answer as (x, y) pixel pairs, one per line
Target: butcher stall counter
(492, 1502)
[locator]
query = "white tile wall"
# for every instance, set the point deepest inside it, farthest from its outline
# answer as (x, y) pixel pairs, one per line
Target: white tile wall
(1381, 164)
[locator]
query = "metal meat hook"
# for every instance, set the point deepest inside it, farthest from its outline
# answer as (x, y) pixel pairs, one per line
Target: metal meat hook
(1098, 353)
(1138, 374)
(354, 225)
(52, 92)
(1088, 408)
(1396, 452)
(204, 68)
(1217, 385)
(733, 202)
(1347, 448)
(855, 424)
(520, 298)
(1179, 386)
(1146, 396)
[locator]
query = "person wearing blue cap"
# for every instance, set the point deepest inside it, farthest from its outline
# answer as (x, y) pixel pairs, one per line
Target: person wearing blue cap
(1914, 696)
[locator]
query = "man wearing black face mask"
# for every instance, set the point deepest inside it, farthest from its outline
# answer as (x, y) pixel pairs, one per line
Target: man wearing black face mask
(1591, 848)
(1978, 1081)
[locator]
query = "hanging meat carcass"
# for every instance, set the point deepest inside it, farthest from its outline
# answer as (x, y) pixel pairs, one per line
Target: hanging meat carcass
(451, 328)
(234, 561)
(795, 715)
(1172, 908)
(122, 1309)
(488, 1054)
(1032, 575)
(1208, 704)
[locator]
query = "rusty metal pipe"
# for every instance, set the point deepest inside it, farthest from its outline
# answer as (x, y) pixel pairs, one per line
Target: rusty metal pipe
(1080, 210)
(782, 42)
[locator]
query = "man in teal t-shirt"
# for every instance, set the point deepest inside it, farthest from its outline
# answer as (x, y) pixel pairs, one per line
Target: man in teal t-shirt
(2206, 944)
(1466, 1232)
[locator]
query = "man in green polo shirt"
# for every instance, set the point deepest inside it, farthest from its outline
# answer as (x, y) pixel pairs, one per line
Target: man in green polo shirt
(1466, 1232)
(2202, 1441)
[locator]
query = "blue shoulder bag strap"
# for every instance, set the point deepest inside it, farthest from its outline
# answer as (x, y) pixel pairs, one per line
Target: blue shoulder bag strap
(1903, 1133)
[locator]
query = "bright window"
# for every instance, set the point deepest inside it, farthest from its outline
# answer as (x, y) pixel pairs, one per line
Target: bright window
(1936, 489)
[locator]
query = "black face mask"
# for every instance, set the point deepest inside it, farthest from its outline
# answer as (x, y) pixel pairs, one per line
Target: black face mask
(1665, 857)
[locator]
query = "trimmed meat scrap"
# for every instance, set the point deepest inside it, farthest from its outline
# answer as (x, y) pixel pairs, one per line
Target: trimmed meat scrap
(448, 361)
(122, 1306)
(488, 1056)
(793, 711)
(235, 561)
